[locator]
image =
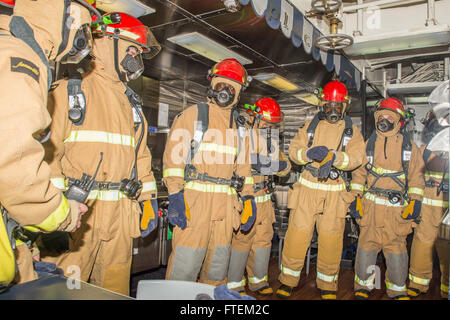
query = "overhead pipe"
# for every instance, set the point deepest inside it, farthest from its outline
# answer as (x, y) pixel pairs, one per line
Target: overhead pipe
(378, 3)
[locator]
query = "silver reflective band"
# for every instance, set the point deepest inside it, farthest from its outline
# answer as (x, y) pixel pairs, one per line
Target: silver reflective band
(107, 195)
(237, 284)
(418, 280)
(290, 271)
(435, 203)
(100, 136)
(326, 278)
(215, 188)
(257, 280)
(321, 186)
(366, 283)
(344, 162)
(394, 287)
(384, 202)
(148, 186)
(59, 183)
(262, 199)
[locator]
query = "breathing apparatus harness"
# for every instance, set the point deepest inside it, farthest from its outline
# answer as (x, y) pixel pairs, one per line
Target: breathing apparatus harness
(394, 196)
(77, 103)
(201, 126)
(432, 183)
(347, 134)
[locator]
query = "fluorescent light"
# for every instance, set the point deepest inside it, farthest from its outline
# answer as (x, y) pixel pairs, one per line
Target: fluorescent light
(431, 36)
(132, 7)
(276, 81)
(207, 47)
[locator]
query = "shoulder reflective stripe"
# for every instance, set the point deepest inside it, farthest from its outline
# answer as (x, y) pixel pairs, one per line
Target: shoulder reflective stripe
(173, 172)
(59, 183)
(262, 199)
(249, 180)
(384, 202)
(344, 162)
(217, 148)
(366, 283)
(52, 222)
(257, 280)
(416, 191)
(321, 186)
(212, 188)
(384, 171)
(326, 278)
(236, 284)
(435, 203)
(356, 186)
(148, 186)
(299, 157)
(100, 136)
(436, 175)
(106, 195)
(418, 280)
(444, 288)
(290, 271)
(394, 287)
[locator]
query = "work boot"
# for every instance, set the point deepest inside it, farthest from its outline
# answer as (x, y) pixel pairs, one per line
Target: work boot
(402, 297)
(413, 292)
(284, 291)
(328, 295)
(265, 291)
(362, 294)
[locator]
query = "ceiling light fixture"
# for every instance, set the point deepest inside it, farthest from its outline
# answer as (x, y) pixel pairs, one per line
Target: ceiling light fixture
(277, 81)
(202, 45)
(132, 7)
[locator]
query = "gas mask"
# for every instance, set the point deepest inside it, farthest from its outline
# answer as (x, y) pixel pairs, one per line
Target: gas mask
(222, 94)
(332, 112)
(384, 125)
(81, 47)
(132, 63)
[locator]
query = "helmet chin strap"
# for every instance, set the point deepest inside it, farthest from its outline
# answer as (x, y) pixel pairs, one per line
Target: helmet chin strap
(121, 75)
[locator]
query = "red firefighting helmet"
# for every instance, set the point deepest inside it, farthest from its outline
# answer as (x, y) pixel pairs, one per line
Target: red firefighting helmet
(269, 110)
(230, 69)
(394, 105)
(334, 91)
(123, 26)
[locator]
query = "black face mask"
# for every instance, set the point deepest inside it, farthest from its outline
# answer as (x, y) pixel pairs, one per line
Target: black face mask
(222, 98)
(132, 65)
(384, 125)
(332, 116)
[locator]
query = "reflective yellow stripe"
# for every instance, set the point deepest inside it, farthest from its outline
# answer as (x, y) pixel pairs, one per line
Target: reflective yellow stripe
(290, 271)
(299, 157)
(366, 283)
(356, 186)
(173, 172)
(59, 183)
(257, 280)
(249, 180)
(52, 222)
(215, 188)
(106, 195)
(444, 288)
(384, 171)
(148, 186)
(321, 186)
(436, 175)
(217, 148)
(418, 280)
(416, 191)
(262, 199)
(326, 278)
(394, 287)
(100, 136)
(236, 284)
(344, 162)
(384, 202)
(435, 203)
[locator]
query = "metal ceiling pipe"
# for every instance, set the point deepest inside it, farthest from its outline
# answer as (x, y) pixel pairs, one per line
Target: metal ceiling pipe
(378, 3)
(431, 14)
